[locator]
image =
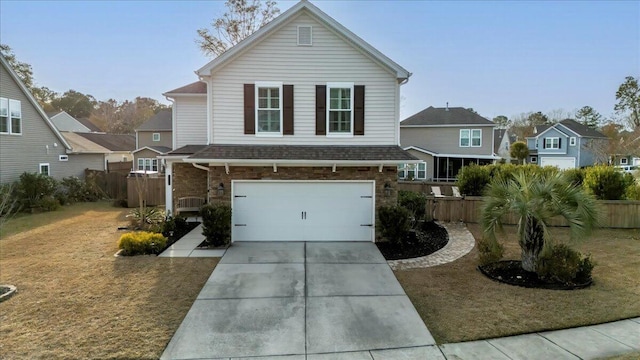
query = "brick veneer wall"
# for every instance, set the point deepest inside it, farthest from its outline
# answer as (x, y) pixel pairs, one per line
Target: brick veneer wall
(188, 181)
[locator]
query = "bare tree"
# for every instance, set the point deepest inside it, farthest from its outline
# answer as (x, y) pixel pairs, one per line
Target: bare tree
(628, 96)
(243, 18)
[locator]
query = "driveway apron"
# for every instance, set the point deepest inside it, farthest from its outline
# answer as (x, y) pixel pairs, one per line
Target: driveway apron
(298, 299)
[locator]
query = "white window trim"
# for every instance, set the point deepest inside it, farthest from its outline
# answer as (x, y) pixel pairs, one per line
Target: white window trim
(153, 137)
(9, 117)
(415, 168)
(341, 85)
(624, 161)
(418, 171)
(144, 164)
(48, 168)
(551, 138)
(402, 168)
(471, 137)
(534, 159)
(460, 138)
(310, 35)
(270, 84)
(572, 141)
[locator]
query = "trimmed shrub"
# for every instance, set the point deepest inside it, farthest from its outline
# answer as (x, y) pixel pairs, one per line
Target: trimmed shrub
(489, 251)
(633, 192)
(605, 182)
(565, 265)
(413, 201)
(77, 190)
(216, 224)
(575, 176)
(395, 223)
(32, 188)
(141, 243)
(473, 179)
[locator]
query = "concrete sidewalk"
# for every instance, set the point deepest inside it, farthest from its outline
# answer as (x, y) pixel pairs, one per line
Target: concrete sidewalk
(187, 246)
(587, 342)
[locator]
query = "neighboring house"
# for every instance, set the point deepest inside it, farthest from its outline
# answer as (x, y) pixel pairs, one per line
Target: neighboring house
(65, 122)
(502, 141)
(295, 127)
(446, 139)
(29, 141)
(154, 137)
(567, 145)
(121, 146)
(92, 152)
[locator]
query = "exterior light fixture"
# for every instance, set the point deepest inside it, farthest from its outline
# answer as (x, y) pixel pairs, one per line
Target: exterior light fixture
(221, 189)
(387, 190)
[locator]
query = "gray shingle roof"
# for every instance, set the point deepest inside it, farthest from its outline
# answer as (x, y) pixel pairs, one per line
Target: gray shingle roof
(113, 142)
(303, 152)
(158, 122)
(581, 130)
(445, 116)
(91, 126)
(187, 150)
(197, 87)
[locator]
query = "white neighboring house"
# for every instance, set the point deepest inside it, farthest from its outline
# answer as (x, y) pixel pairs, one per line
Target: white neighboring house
(296, 127)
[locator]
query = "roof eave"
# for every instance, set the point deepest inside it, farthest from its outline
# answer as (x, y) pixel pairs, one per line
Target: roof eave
(301, 161)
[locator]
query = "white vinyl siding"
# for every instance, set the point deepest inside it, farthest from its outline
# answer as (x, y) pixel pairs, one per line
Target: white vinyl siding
(279, 58)
(191, 121)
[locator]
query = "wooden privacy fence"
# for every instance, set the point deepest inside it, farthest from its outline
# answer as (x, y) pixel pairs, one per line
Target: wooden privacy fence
(623, 214)
(114, 184)
(123, 167)
(155, 193)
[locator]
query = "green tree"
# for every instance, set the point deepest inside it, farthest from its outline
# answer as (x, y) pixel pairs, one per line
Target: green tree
(243, 18)
(537, 119)
(75, 104)
(519, 150)
(535, 199)
(23, 70)
(628, 96)
(588, 116)
(502, 121)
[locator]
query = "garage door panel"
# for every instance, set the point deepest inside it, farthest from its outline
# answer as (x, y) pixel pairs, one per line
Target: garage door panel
(561, 162)
(303, 211)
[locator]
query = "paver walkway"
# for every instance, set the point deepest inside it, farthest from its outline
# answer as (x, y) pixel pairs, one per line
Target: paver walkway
(461, 242)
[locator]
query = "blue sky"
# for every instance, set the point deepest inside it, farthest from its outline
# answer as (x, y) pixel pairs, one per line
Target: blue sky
(498, 57)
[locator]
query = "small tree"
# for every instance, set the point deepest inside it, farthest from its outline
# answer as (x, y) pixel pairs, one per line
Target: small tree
(519, 150)
(536, 199)
(243, 18)
(628, 96)
(588, 116)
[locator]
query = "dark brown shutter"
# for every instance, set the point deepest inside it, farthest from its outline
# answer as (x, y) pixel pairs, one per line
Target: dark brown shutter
(559, 143)
(249, 109)
(321, 110)
(287, 109)
(358, 110)
(544, 143)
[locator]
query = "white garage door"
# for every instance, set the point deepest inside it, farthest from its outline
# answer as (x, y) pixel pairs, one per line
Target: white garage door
(303, 211)
(561, 162)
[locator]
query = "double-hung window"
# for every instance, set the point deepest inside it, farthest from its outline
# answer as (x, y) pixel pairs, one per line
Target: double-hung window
(470, 137)
(44, 169)
(10, 116)
(156, 136)
(340, 109)
(269, 108)
(412, 171)
(145, 164)
(552, 143)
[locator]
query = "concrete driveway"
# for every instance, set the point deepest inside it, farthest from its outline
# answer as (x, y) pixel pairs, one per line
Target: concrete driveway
(297, 300)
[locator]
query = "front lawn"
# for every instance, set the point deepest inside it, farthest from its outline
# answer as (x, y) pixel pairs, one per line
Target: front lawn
(458, 303)
(76, 300)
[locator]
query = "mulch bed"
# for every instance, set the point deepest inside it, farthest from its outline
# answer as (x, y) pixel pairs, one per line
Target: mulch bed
(426, 239)
(511, 272)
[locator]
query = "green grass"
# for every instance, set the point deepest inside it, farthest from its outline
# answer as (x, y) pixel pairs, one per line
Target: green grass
(21, 222)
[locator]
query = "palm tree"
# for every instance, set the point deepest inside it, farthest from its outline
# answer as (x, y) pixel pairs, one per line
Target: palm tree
(535, 199)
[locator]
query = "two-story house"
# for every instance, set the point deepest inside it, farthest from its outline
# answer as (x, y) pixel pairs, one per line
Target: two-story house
(154, 137)
(567, 145)
(296, 127)
(29, 141)
(502, 140)
(446, 139)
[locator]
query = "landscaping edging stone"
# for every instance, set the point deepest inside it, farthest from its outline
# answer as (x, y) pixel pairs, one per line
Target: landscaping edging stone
(8, 294)
(461, 242)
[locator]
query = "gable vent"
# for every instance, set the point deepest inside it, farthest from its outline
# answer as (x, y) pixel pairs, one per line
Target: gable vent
(305, 35)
